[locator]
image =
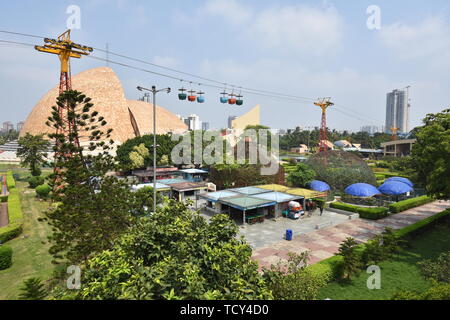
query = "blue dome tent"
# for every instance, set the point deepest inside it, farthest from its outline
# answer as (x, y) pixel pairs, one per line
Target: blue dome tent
(395, 188)
(361, 190)
(319, 186)
(404, 180)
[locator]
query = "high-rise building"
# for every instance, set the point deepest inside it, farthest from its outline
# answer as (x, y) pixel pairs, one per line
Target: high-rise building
(7, 126)
(230, 121)
(20, 125)
(397, 111)
(370, 129)
(205, 126)
(193, 122)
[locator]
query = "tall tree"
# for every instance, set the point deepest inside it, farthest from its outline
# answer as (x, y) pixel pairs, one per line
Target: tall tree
(176, 254)
(32, 151)
(431, 154)
(301, 176)
(92, 208)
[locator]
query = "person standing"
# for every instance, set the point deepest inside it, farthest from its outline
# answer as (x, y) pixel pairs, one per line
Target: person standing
(321, 205)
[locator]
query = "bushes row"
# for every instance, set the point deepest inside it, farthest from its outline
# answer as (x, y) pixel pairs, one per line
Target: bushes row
(43, 191)
(14, 228)
(5, 257)
(409, 203)
(35, 181)
(10, 182)
(333, 265)
(364, 212)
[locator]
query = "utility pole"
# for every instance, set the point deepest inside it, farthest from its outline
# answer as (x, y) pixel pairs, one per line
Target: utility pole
(154, 91)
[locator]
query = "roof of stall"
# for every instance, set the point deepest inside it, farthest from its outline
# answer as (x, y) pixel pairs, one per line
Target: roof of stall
(193, 171)
(279, 197)
(218, 195)
(159, 186)
(248, 190)
(188, 186)
(306, 193)
(247, 202)
(172, 181)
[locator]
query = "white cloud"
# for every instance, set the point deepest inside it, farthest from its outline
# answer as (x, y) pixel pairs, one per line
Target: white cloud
(429, 39)
(302, 28)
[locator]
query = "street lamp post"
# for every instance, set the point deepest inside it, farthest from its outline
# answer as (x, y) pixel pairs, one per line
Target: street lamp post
(154, 91)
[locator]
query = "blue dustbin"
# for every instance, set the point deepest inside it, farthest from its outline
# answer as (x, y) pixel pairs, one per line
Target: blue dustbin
(289, 234)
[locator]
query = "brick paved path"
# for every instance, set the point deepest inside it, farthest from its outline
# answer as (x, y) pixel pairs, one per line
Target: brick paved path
(324, 243)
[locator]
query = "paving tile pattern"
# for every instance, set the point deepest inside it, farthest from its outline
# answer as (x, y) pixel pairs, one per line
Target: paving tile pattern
(325, 243)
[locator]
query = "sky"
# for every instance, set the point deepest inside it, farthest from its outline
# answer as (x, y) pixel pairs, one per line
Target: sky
(304, 48)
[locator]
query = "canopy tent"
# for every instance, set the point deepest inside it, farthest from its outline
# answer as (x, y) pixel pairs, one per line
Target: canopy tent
(401, 179)
(395, 188)
(361, 190)
(319, 186)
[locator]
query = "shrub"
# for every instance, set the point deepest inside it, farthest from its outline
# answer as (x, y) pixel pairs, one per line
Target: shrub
(292, 280)
(33, 289)
(43, 191)
(35, 181)
(364, 212)
(409, 203)
(422, 225)
(10, 182)
(14, 228)
(5, 257)
(351, 261)
(4, 198)
(438, 270)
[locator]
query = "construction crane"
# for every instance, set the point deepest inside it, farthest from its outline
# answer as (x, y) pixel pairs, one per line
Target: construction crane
(65, 49)
(394, 131)
(323, 103)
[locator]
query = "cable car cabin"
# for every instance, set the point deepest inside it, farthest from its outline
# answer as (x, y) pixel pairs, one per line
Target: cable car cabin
(231, 101)
(239, 102)
(223, 99)
(182, 95)
(200, 98)
(192, 97)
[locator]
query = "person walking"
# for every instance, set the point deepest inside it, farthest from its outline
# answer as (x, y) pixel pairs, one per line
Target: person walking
(321, 205)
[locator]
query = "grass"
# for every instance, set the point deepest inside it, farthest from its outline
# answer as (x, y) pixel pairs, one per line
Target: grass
(30, 252)
(400, 273)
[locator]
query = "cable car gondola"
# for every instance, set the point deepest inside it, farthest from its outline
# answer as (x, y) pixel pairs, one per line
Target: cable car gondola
(192, 97)
(200, 98)
(239, 100)
(232, 99)
(182, 95)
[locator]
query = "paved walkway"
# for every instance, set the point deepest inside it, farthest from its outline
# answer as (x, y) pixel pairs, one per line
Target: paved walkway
(325, 243)
(4, 214)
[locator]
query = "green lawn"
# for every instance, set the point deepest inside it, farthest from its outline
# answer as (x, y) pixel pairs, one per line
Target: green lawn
(400, 273)
(30, 254)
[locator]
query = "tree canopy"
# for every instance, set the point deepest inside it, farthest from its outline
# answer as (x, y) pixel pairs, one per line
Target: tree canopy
(301, 176)
(431, 154)
(32, 151)
(176, 254)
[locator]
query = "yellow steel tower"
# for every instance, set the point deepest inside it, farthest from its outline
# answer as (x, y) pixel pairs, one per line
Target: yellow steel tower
(65, 49)
(323, 104)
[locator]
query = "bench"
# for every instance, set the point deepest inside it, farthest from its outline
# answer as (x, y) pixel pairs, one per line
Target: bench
(254, 219)
(324, 224)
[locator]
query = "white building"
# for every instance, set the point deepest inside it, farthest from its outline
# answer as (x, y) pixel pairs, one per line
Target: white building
(397, 111)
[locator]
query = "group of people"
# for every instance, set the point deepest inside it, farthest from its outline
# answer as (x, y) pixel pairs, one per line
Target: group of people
(311, 206)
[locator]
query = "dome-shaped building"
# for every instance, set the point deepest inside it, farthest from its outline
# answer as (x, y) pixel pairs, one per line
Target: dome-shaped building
(127, 118)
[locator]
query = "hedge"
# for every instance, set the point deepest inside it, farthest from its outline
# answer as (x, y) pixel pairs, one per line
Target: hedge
(5, 257)
(14, 228)
(422, 224)
(409, 203)
(332, 266)
(10, 182)
(364, 212)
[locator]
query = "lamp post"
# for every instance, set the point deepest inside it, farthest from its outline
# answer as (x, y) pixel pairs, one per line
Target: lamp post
(154, 91)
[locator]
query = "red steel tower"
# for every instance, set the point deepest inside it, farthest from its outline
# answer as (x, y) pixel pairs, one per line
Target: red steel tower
(323, 103)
